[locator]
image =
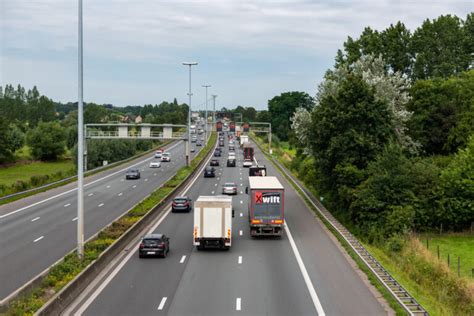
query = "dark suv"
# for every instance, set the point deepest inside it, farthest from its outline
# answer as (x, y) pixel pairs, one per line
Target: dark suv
(231, 162)
(209, 172)
(154, 245)
(132, 174)
(217, 152)
(181, 203)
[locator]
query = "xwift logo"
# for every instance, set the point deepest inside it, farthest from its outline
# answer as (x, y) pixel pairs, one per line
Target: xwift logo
(267, 197)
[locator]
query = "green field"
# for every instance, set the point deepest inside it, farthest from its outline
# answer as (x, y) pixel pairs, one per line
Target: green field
(10, 175)
(456, 245)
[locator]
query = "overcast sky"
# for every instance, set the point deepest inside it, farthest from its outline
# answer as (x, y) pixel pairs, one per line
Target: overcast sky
(249, 51)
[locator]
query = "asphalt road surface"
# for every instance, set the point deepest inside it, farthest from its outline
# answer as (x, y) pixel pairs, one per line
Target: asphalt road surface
(37, 231)
(301, 274)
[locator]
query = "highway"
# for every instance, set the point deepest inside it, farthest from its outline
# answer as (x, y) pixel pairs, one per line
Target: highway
(302, 273)
(37, 231)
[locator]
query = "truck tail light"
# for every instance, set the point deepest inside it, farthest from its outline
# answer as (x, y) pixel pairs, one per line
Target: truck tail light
(195, 232)
(228, 233)
(256, 221)
(278, 221)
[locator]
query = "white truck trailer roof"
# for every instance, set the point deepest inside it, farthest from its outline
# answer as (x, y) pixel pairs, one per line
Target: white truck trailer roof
(265, 183)
(214, 198)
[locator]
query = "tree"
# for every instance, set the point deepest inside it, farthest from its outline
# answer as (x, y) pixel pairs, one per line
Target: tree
(396, 48)
(301, 126)
(282, 107)
(11, 139)
(94, 113)
(263, 116)
(349, 127)
(47, 141)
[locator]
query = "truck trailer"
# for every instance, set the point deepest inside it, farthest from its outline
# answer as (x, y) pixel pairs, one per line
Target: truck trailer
(248, 151)
(213, 222)
(266, 206)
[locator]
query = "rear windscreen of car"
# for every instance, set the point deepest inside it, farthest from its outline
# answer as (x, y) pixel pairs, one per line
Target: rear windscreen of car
(151, 242)
(180, 200)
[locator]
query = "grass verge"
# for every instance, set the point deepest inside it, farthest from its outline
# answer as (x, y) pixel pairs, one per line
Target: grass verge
(67, 269)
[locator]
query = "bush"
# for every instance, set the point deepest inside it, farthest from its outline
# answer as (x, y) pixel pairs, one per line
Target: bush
(47, 141)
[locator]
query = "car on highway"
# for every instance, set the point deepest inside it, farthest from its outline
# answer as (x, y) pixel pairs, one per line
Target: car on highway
(155, 164)
(181, 203)
(231, 148)
(231, 161)
(193, 139)
(229, 188)
(209, 172)
(217, 152)
(215, 162)
(199, 144)
(132, 173)
(154, 245)
(166, 157)
(193, 149)
(247, 163)
(158, 153)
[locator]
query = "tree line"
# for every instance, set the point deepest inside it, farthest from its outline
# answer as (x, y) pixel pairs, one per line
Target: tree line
(388, 139)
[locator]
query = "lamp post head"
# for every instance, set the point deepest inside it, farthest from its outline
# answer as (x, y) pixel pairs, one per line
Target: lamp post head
(190, 63)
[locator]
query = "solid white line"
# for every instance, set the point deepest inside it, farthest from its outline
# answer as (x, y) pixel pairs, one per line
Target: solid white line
(304, 272)
(182, 259)
(238, 304)
(86, 185)
(74, 219)
(66, 205)
(90, 194)
(120, 194)
(117, 269)
(240, 232)
(240, 259)
(35, 219)
(162, 303)
(100, 205)
(241, 214)
(38, 239)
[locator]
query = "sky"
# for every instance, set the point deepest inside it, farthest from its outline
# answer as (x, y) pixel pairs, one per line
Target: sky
(248, 51)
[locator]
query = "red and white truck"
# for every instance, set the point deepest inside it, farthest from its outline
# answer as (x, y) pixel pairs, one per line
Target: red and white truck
(266, 206)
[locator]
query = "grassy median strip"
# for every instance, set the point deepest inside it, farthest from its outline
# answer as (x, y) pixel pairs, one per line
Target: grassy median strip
(362, 266)
(66, 270)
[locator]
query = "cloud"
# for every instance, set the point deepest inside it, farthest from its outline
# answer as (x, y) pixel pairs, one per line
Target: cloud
(257, 40)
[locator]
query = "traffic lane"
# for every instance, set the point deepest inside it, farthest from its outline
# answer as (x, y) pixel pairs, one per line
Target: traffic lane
(331, 274)
(57, 232)
(129, 291)
(255, 277)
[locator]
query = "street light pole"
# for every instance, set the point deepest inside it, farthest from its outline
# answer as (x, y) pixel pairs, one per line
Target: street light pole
(188, 146)
(207, 123)
(80, 143)
(214, 109)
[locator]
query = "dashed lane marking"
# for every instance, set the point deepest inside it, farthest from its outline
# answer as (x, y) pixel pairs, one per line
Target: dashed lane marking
(100, 205)
(240, 259)
(90, 194)
(120, 194)
(162, 303)
(238, 304)
(66, 205)
(38, 239)
(241, 232)
(74, 219)
(241, 214)
(182, 259)
(35, 219)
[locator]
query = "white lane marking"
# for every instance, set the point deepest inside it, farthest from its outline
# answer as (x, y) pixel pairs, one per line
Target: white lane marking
(215, 184)
(240, 259)
(38, 239)
(122, 180)
(238, 304)
(35, 219)
(241, 192)
(66, 205)
(241, 232)
(241, 184)
(240, 179)
(241, 202)
(86, 185)
(108, 187)
(304, 272)
(212, 192)
(218, 178)
(162, 303)
(117, 269)
(155, 174)
(100, 205)
(90, 194)
(134, 186)
(182, 259)
(120, 194)
(74, 219)
(146, 180)
(241, 214)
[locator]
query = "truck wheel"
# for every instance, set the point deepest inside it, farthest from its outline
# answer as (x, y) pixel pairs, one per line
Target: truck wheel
(200, 247)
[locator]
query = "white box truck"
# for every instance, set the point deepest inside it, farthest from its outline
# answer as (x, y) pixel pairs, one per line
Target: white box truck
(213, 222)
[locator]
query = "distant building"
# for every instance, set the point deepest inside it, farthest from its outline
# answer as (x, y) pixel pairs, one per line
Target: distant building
(138, 119)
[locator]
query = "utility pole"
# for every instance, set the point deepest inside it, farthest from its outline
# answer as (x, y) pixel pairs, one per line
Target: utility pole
(80, 143)
(207, 123)
(214, 109)
(188, 146)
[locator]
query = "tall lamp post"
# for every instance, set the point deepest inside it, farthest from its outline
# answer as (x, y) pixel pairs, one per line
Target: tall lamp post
(188, 146)
(80, 144)
(207, 123)
(214, 109)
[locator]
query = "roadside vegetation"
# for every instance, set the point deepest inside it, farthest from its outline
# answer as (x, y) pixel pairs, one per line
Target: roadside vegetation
(67, 269)
(387, 144)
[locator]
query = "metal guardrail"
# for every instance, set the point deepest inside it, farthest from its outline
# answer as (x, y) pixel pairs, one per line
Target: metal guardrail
(401, 295)
(113, 164)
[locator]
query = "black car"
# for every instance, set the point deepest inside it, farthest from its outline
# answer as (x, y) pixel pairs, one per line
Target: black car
(198, 144)
(214, 162)
(209, 172)
(181, 203)
(231, 162)
(133, 173)
(217, 153)
(154, 245)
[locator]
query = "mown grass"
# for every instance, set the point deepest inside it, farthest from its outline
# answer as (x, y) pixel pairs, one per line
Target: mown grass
(66, 270)
(24, 172)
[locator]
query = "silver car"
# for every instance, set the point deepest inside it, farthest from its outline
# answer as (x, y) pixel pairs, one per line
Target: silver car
(229, 188)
